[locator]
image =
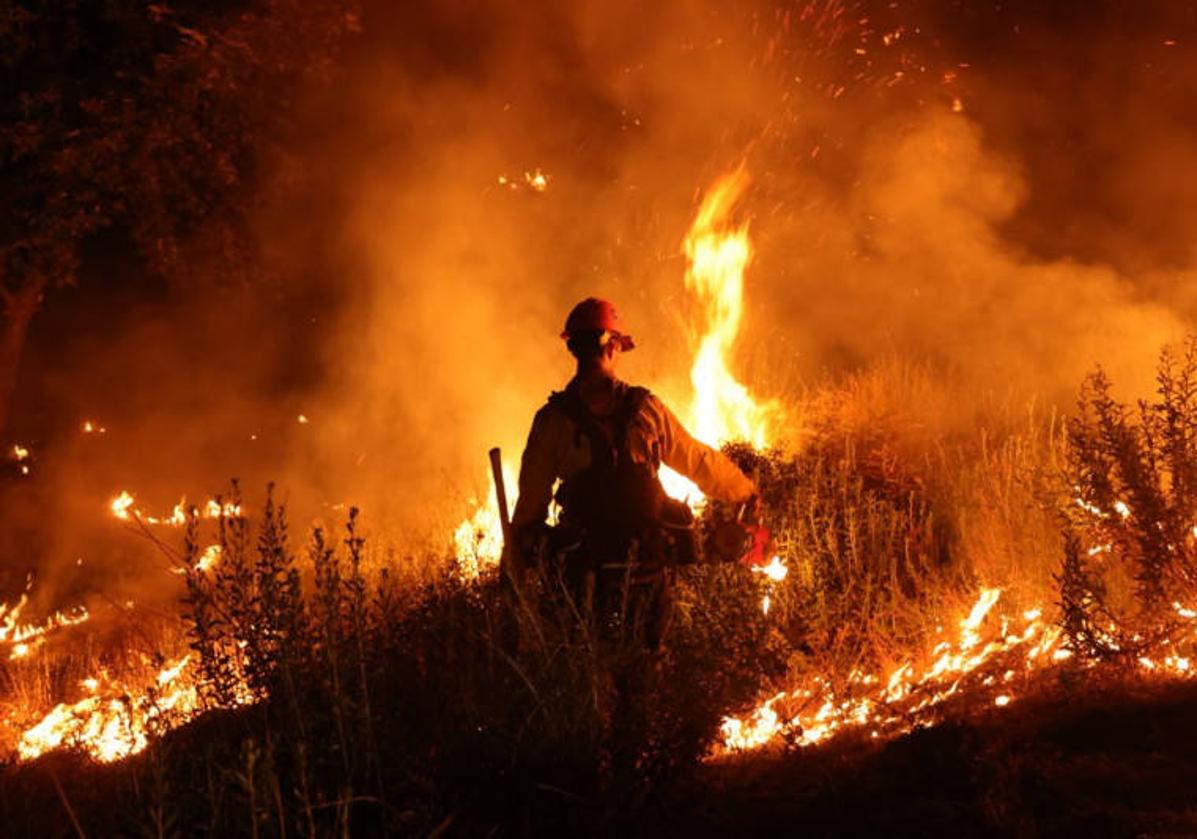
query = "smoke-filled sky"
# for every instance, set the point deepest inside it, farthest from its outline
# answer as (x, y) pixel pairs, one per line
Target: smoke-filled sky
(1004, 191)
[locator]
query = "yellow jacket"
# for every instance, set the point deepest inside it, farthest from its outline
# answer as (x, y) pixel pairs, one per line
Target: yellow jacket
(555, 450)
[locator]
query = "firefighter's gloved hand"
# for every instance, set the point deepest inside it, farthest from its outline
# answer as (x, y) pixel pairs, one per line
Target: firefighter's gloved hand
(750, 510)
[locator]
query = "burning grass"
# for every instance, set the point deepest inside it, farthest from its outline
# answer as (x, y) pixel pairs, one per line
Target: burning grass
(335, 688)
(375, 706)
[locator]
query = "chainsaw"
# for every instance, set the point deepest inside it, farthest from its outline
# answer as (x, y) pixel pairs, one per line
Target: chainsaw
(740, 538)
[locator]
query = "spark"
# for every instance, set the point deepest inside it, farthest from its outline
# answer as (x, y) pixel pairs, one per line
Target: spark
(537, 180)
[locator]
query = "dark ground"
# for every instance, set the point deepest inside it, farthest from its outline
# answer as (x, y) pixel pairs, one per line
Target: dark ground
(1114, 761)
(1117, 760)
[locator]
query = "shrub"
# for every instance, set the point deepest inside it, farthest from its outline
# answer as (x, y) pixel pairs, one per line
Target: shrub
(1131, 516)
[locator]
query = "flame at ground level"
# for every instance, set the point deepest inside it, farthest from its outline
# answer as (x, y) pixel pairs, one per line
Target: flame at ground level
(992, 656)
(118, 724)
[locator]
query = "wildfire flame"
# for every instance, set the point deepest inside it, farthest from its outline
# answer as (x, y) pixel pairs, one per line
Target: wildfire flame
(721, 409)
(718, 252)
(22, 638)
(992, 655)
(478, 540)
(117, 725)
(122, 507)
(206, 562)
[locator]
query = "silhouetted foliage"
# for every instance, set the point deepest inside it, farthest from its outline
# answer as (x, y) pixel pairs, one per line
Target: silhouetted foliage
(144, 119)
(1131, 516)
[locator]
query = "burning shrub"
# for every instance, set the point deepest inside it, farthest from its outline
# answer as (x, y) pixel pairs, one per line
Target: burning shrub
(865, 544)
(1128, 579)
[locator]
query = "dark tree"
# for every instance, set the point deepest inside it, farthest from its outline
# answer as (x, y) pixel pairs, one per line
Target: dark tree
(145, 120)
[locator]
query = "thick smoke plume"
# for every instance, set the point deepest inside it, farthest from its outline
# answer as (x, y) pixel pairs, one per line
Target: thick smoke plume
(478, 167)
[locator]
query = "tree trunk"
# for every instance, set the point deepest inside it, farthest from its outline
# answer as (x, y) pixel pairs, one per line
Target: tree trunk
(19, 306)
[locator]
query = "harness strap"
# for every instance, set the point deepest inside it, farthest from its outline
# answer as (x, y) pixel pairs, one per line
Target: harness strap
(605, 452)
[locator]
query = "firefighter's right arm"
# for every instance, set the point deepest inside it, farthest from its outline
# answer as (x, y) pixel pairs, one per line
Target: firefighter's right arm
(714, 473)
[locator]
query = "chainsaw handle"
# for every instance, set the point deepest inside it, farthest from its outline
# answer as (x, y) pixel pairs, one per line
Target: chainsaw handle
(748, 510)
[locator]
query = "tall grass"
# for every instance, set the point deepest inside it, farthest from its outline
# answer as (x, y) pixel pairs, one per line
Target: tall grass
(387, 699)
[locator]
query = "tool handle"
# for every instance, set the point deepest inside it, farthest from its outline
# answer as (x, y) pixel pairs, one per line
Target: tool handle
(496, 468)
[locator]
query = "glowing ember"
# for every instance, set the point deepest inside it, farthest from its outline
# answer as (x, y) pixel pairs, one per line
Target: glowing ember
(121, 504)
(776, 571)
(537, 180)
(206, 562)
(208, 558)
(533, 179)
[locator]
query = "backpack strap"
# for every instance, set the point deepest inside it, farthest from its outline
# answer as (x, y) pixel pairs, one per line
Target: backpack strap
(602, 453)
(633, 401)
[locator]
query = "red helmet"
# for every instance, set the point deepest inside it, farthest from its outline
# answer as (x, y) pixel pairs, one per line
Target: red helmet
(594, 315)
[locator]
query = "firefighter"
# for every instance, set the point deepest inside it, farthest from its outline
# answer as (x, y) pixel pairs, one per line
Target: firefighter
(605, 441)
